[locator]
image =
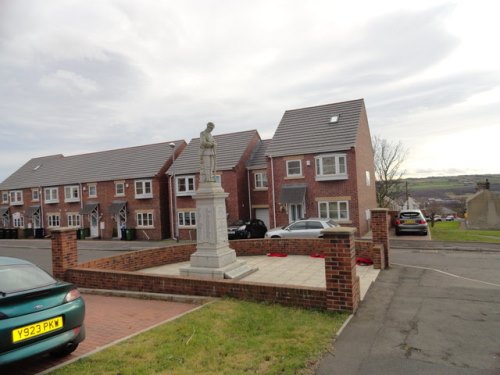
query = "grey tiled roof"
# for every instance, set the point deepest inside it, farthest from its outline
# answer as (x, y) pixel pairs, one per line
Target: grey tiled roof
(258, 158)
(309, 131)
(230, 149)
(126, 163)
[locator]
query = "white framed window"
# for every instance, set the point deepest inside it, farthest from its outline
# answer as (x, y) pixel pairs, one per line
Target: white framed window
(74, 220)
(16, 197)
(368, 178)
(143, 189)
(331, 167)
(35, 195)
(54, 220)
(119, 188)
(5, 197)
(144, 219)
(217, 178)
(18, 220)
(338, 210)
(72, 193)
(51, 195)
(186, 218)
(185, 185)
(92, 190)
(261, 180)
(294, 168)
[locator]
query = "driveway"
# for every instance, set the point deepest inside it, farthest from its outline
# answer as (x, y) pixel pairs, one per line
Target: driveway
(432, 312)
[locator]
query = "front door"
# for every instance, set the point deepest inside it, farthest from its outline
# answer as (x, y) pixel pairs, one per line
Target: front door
(121, 220)
(294, 212)
(94, 224)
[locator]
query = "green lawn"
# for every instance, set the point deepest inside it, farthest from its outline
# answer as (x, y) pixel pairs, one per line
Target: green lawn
(224, 337)
(451, 231)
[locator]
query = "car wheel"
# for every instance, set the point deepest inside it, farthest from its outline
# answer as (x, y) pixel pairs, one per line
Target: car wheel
(275, 237)
(65, 350)
(398, 233)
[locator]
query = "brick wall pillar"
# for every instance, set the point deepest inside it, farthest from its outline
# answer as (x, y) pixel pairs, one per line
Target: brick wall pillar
(342, 283)
(64, 251)
(380, 222)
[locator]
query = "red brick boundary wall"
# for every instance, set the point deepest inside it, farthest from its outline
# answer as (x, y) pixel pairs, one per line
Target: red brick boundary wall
(342, 283)
(120, 272)
(64, 251)
(380, 224)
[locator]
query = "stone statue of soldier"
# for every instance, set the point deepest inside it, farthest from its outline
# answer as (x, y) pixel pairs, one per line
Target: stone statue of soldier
(208, 153)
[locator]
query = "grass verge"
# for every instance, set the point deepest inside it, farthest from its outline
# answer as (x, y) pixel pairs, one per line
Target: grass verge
(451, 231)
(225, 337)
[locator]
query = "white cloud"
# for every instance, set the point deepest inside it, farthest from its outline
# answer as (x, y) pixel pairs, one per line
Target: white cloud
(69, 83)
(115, 73)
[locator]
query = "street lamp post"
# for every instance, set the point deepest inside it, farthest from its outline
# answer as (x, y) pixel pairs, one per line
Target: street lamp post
(172, 194)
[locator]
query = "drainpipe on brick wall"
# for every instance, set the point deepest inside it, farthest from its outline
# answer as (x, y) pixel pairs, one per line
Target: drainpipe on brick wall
(273, 195)
(249, 195)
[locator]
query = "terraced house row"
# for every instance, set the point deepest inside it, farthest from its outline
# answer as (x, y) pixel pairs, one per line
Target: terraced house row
(319, 163)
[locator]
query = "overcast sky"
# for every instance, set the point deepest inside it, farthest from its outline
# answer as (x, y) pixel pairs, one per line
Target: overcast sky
(79, 76)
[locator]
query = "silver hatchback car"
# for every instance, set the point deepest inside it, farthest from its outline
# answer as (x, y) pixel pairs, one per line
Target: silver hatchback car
(302, 228)
(411, 221)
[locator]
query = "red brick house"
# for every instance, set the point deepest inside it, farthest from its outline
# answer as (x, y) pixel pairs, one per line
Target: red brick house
(258, 183)
(102, 192)
(320, 164)
(233, 153)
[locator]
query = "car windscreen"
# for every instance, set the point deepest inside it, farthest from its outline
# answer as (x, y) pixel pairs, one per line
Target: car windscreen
(409, 215)
(20, 277)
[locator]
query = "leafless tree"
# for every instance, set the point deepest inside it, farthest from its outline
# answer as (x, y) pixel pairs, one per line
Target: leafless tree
(389, 159)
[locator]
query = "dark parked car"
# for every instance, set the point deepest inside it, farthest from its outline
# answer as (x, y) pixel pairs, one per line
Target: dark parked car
(38, 314)
(411, 221)
(241, 229)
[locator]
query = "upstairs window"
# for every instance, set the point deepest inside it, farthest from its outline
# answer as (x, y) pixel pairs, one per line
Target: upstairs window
(119, 189)
(35, 195)
(331, 167)
(261, 180)
(143, 189)
(92, 190)
(51, 195)
(16, 198)
(72, 193)
(185, 185)
(294, 168)
(5, 197)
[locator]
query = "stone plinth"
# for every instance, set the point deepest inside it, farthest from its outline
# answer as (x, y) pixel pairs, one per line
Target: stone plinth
(213, 259)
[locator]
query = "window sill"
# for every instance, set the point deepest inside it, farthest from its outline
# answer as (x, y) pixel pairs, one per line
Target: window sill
(332, 178)
(51, 202)
(185, 194)
(71, 200)
(17, 203)
(260, 189)
(149, 196)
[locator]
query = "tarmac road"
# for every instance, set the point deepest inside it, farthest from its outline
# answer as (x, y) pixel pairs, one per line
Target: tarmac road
(432, 312)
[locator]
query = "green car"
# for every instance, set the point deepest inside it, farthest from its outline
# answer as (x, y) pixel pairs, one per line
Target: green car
(38, 314)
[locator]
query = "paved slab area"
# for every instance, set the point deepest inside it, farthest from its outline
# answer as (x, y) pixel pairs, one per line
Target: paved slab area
(291, 270)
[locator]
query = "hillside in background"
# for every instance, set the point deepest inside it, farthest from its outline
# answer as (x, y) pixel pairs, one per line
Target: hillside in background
(444, 194)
